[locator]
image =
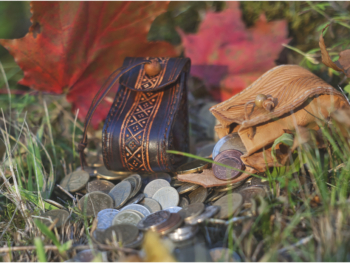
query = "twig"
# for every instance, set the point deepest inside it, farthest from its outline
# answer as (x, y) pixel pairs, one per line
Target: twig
(53, 247)
(300, 242)
(66, 192)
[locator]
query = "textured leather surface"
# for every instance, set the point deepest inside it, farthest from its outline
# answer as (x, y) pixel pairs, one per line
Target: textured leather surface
(148, 117)
(301, 99)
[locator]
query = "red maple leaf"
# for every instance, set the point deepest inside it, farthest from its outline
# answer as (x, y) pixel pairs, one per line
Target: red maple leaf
(225, 54)
(72, 47)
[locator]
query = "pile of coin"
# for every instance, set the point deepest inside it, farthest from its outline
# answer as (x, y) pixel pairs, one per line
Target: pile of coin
(125, 205)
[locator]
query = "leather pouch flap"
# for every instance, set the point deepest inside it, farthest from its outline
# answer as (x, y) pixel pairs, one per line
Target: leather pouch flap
(137, 80)
(289, 85)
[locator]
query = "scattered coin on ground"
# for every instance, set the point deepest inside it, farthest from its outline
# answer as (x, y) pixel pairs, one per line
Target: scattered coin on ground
(75, 181)
(60, 214)
(94, 202)
(230, 158)
(128, 217)
(126, 233)
(151, 204)
(173, 209)
(135, 200)
(191, 211)
(229, 204)
(139, 208)
(120, 193)
(169, 225)
(221, 254)
(99, 185)
(153, 220)
(138, 185)
(154, 186)
(167, 197)
(105, 218)
(187, 187)
(198, 196)
(193, 167)
(184, 202)
(183, 233)
(251, 192)
(209, 212)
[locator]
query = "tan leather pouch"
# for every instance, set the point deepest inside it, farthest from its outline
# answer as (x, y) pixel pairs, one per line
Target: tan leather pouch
(299, 98)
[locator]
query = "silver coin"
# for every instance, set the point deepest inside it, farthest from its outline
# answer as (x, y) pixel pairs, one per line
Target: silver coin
(176, 183)
(221, 254)
(140, 208)
(209, 212)
(215, 196)
(151, 204)
(154, 186)
(183, 233)
(94, 202)
(184, 202)
(229, 204)
(120, 193)
(147, 178)
(138, 185)
(173, 209)
(193, 210)
(231, 141)
(167, 197)
(105, 218)
(52, 215)
(133, 181)
(125, 233)
(137, 243)
(198, 196)
(206, 150)
(187, 187)
(137, 199)
(99, 185)
(127, 216)
(154, 220)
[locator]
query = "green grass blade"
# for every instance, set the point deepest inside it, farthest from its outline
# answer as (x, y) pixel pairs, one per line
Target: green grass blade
(40, 251)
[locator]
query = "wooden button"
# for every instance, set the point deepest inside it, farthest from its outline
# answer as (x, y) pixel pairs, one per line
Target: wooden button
(152, 69)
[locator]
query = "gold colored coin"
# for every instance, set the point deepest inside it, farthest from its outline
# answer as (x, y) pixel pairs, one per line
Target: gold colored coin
(104, 173)
(196, 166)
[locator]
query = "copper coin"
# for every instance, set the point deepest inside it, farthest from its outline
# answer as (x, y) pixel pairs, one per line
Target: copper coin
(99, 185)
(153, 220)
(230, 158)
(174, 221)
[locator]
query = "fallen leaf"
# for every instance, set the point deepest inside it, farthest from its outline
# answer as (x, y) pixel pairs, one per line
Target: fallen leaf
(226, 54)
(155, 249)
(342, 64)
(72, 47)
(207, 178)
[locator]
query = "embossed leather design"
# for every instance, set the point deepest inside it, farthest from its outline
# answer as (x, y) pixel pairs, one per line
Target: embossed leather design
(148, 117)
(301, 99)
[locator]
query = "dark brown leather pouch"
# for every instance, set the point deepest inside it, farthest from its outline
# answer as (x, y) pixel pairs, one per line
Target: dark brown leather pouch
(148, 117)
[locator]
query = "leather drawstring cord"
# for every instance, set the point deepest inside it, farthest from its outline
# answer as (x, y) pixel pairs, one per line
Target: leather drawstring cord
(103, 91)
(261, 101)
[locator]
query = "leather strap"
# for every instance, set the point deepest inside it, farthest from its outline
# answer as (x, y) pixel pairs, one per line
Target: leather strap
(105, 88)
